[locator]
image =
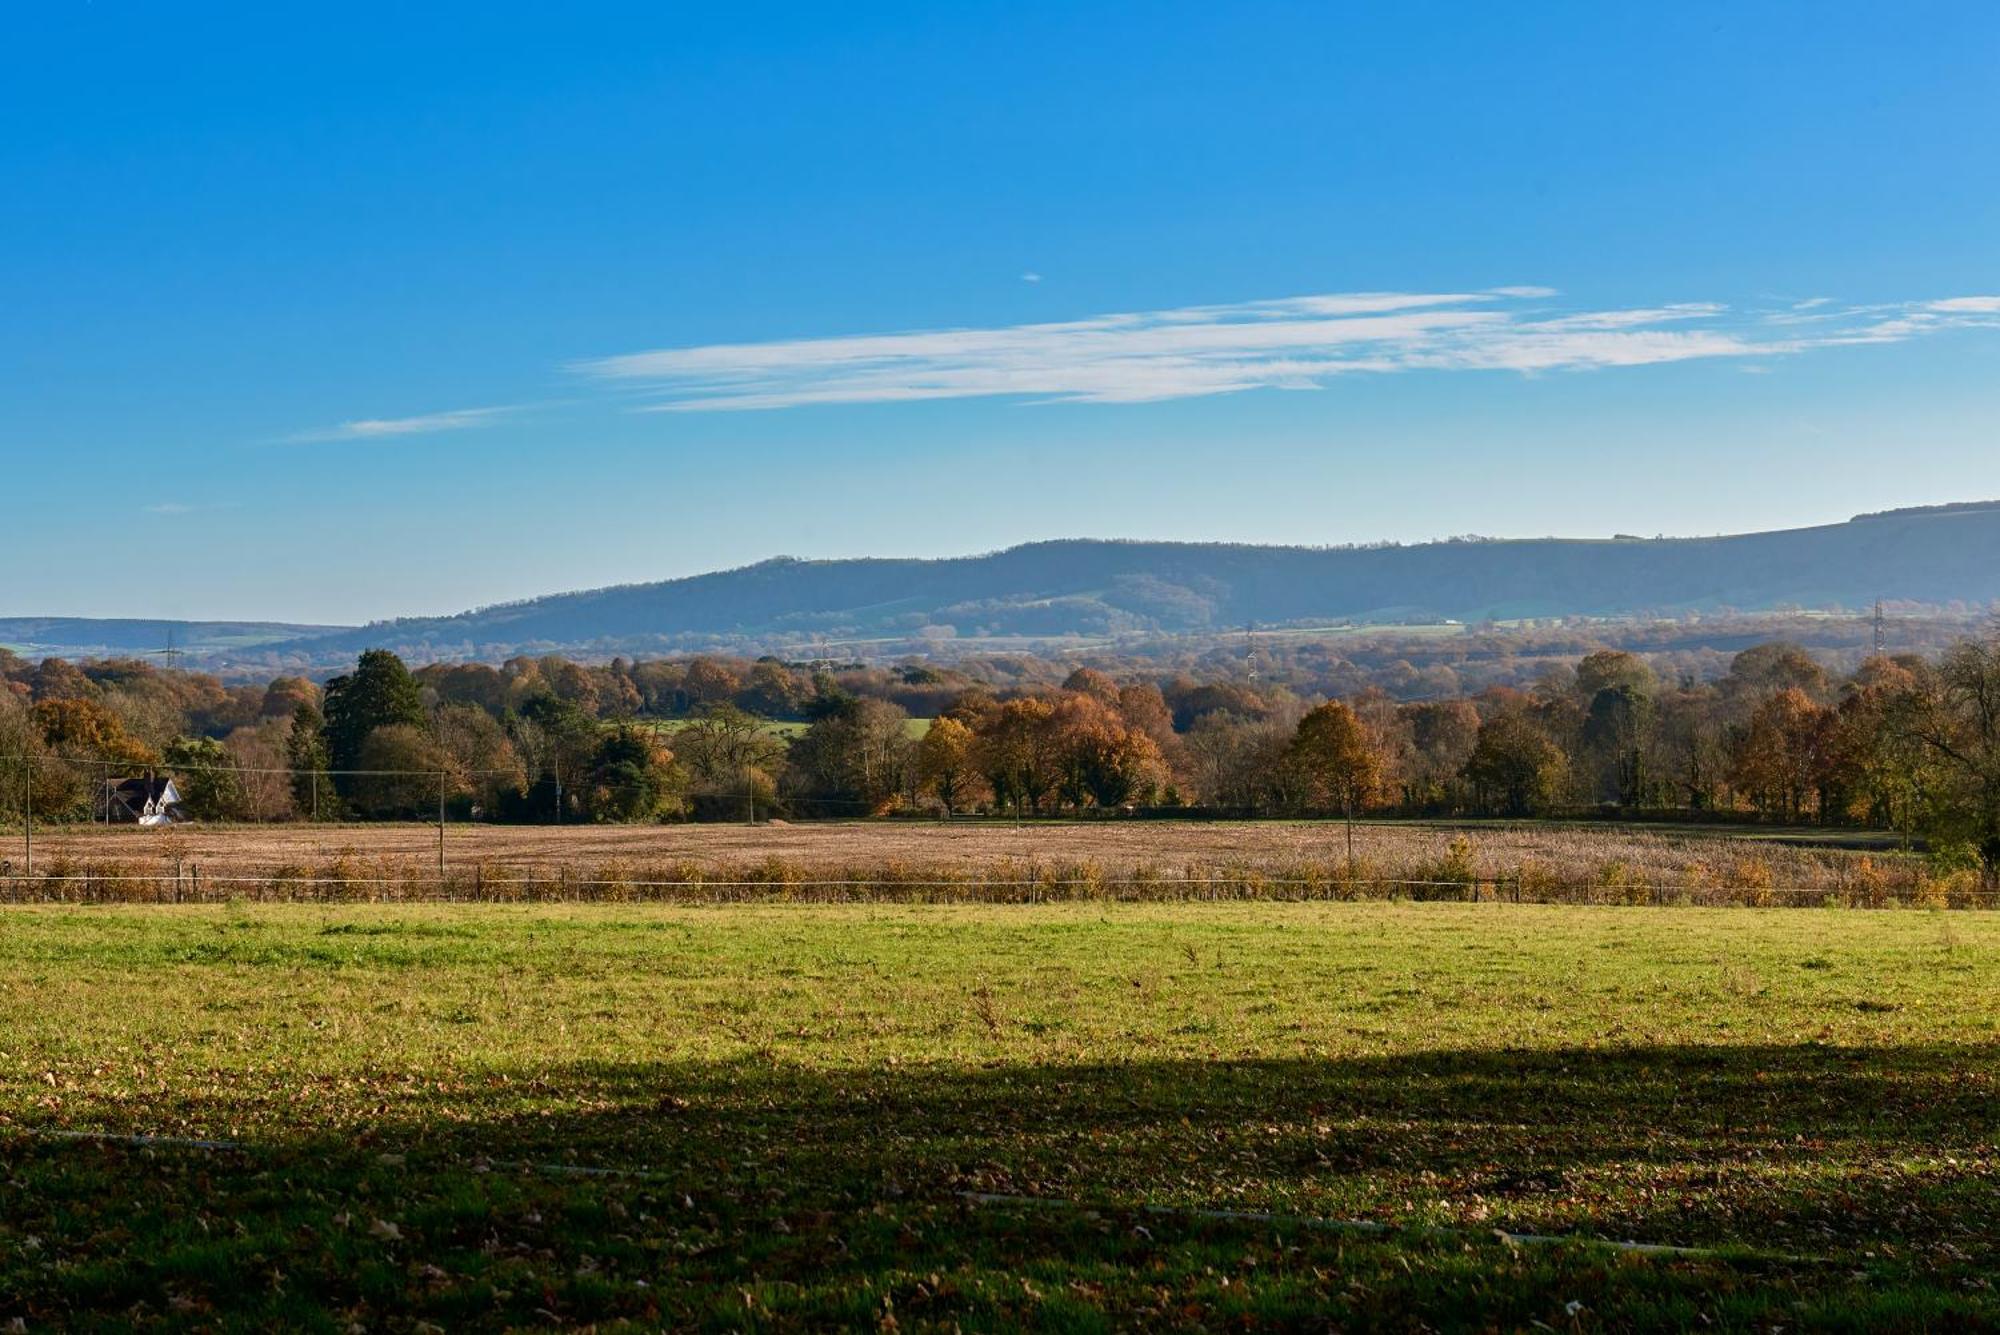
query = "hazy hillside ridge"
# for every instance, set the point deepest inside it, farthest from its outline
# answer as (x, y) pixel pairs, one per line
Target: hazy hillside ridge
(1084, 587)
(1939, 558)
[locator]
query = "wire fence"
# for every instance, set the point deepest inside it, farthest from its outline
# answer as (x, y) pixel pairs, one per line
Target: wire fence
(535, 884)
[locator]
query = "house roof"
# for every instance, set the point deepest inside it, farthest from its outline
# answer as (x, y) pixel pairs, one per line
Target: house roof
(141, 790)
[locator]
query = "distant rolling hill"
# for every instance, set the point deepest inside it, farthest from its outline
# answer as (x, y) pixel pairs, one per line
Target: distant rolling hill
(1939, 555)
(110, 637)
(1049, 591)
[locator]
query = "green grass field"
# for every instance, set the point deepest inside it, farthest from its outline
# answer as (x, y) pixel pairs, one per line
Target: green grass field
(770, 1118)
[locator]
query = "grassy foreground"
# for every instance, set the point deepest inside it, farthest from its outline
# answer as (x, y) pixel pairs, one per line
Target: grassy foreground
(794, 1103)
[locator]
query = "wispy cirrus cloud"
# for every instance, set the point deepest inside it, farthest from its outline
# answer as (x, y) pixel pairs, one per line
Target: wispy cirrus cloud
(378, 428)
(1965, 306)
(1303, 342)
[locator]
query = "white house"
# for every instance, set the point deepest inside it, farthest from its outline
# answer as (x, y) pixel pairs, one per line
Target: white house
(147, 801)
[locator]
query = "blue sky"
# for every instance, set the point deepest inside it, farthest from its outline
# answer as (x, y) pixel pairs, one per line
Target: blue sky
(381, 310)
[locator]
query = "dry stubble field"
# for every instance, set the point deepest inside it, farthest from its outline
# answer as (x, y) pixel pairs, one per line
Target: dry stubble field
(1142, 859)
(960, 844)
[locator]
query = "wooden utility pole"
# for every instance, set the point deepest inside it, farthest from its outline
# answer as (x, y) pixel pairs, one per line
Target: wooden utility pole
(441, 783)
(1350, 834)
(28, 810)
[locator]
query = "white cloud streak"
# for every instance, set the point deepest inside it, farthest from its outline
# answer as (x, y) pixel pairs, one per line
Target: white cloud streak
(378, 428)
(1302, 342)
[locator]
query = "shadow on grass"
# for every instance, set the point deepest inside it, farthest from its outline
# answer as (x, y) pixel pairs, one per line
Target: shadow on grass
(755, 1193)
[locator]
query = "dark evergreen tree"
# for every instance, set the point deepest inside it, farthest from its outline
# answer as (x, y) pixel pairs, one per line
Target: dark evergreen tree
(379, 692)
(308, 759)
(631, 778)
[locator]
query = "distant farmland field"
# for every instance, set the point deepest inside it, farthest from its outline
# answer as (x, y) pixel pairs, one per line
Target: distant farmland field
(915, 727)
(1081, 1117)
(1118, 858)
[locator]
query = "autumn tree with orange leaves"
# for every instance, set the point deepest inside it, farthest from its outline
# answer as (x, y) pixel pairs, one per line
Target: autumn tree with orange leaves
(1782, 760)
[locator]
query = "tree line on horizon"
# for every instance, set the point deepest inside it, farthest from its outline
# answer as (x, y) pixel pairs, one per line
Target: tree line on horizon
(1909, 743)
